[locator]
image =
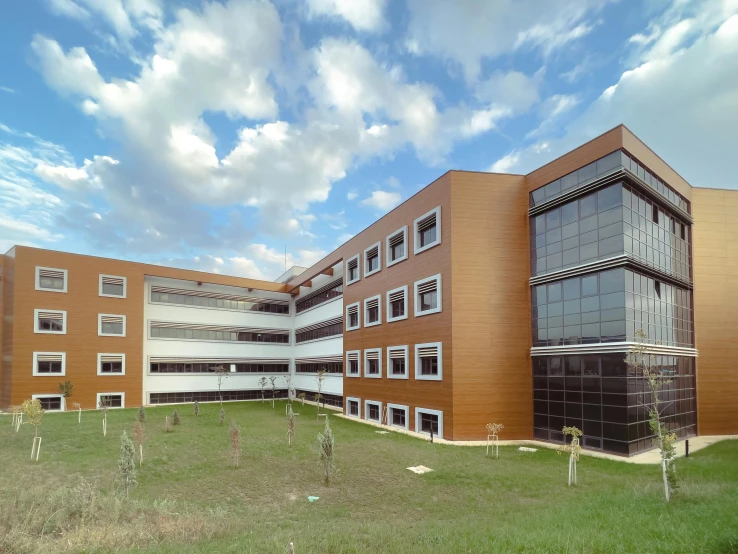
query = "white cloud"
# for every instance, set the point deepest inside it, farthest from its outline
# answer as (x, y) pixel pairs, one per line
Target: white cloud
(7, 89)
(506, 163)
(352, 195)
(382, 200)
(68, 8)
(362, 15)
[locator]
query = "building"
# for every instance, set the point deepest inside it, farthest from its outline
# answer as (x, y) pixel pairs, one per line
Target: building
(484, 297)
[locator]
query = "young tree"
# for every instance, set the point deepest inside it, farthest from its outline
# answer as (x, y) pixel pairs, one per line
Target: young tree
(103, 405)
(139, 437)
(326, 445)
(221, 373)
(141, 414)
(262, 384)
(126, 465)
(175, 418)
(288, 383)
(222, 416)
(65, 389)
(273, 380)
(235, 434)
(301, 396)
(320, 377)
(17, 412)
(167, 429)
(196, 409)
(573, 449)
(34, 412)
(492, 430)
(290, 425)
(644, 364)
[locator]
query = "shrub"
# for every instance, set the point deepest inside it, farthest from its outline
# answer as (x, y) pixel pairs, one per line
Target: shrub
(222, 416)
(175, 418)
(325, 448)
(196, 409)
(141, 414)
(126, 465)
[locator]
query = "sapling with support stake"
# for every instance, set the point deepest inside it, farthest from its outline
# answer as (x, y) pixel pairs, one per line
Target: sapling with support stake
(290, 425)
(78, 407)
(126, 465)
(273, 380)
(326, 445)
(141, 414)
(17, 412)
(262, 384)
(103, 405)
(221, 373)
(235, 435)
(65, 389)
(644, 364)
(573, 449)
(196, 409)
(139, 437)
(34, 411)
(492, 431)
(320, 377)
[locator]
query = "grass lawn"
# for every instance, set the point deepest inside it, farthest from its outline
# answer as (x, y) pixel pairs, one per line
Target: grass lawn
(189, 498)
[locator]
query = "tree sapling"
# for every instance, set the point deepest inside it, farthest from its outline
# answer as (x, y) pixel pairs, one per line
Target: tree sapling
(126, 465)
(492, 431)
(326, 445)
(141, 414)
(235, 434)
(139, 437)
(273, 380)
(262, 384)
(573, 449)
(65, 389)
(103, 405)
(34, 412)
(221, 373)
(222, 416)
(175, 418)
(290, 425)
(196, 409)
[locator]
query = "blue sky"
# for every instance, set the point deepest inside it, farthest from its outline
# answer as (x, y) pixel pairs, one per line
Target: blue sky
(211, 135)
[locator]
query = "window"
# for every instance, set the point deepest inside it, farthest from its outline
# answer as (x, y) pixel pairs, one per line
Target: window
(111, 364)
(51, 279)
(352, 317)
(228, 395)
(397, 362)
(50, 322)
(353, 407)
(397, 246)
(265, 367)
(318, 297)
(49, 364)
(373, 363)
(353, 360)
(112, 286)
(428, 296)
(429, 361)
(50, 402)
(397, 304)
(398, 415)
(372, 263)
(352, 270)
(316, 367)
(193, 331)
(373, 411)
(111, 399)
(427, 421)
(428, 231)
(109, 325)
(321, 330)
(217, 301)
(372, 311)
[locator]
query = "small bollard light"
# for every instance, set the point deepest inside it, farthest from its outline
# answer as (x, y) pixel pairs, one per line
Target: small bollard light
(686, 448)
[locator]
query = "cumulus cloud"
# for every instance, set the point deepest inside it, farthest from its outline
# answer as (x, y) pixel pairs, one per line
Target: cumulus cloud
(365, 15)
(382, 200)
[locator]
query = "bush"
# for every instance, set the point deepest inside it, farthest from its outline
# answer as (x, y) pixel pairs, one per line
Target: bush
(196, 409)
(325, 448)
(126, 465)
(222, 416)
(175, 418)
(141, 414)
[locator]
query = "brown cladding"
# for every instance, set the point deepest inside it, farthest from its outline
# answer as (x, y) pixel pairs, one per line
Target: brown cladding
(715, 265)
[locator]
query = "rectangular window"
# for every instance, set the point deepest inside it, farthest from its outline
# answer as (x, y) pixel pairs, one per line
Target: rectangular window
(353, 321)
(111, 364)
(397, 362)
(397, 246)
(397, 415)
(112, 286)
(373, 410)
(429, 421)
(49, 363)
(323, 329)
(111, 399)
(51, 279)
(353, 407)
(397, 304)
(429, 361)
(209, 300)
(110, 325)
(428, 296)
(352, 270)
(324, 294)
(373, 363)
(428, 230)
(372, 311)
(371, 259)
(50, 322)
(353, 363)
(50, 402)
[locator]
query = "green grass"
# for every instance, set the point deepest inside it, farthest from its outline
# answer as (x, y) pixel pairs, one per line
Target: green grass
(517, 503)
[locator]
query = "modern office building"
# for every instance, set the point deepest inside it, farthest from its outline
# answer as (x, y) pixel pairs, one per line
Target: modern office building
(484, 297)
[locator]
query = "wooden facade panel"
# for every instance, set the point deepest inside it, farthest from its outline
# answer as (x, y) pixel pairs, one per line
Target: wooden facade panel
(715, 309)
(6, 328)
(491, 299)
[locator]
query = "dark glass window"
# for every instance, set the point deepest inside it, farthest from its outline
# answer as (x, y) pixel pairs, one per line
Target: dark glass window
(373, 412)
(51, 402)
(372, 367)
(224, 302)
(353, 408)
(398, 366)
(398, 417)
(331, 367)
(428, 423)
(53, 283)
(353, 319)
(319, 297)
(398, 308)
(48, 367)
(372, 261)
(319, 333)
(112, 289)
(353, 367)
(111, 400)
(111, 328)
(111, 367)
(429, 366)
(372, 314)
(428, 300)
(55, 323)
(428, 235)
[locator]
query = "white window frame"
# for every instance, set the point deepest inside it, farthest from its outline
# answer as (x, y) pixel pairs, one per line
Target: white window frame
(390, 319)
(368, 403)
(358, 401)
(417, 249)
(428, 411)
(418, 375)
(42, 332)
(379, 363)
(406, 409)
(99, 363)
(358, 270)
(378, 245)
(99, 325)
(100, 286)
(38, 279)
(122, 399)
(348, 319)
(63, 362)
(348, 363)
(416, 300)
(387, 261)
(378, 298)
(63, 400)
(391, 375)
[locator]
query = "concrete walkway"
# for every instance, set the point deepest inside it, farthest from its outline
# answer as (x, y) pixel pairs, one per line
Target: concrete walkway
(650, 457)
